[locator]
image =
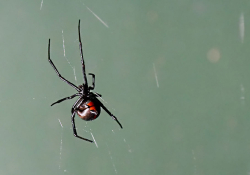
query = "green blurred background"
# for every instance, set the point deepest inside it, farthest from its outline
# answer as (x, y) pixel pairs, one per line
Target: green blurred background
(175, 73)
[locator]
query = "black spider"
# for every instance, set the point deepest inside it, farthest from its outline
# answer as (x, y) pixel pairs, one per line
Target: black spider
(87, 106)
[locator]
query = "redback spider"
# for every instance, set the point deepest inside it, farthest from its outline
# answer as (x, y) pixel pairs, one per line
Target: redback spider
(87, 106)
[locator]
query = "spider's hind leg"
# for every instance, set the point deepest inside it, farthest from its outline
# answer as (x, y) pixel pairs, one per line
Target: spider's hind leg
(109, 113)
(76, 104)
(74, 128)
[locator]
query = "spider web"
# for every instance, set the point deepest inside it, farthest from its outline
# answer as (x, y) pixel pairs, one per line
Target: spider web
(87, 128)
(73, 68)
(181, 90)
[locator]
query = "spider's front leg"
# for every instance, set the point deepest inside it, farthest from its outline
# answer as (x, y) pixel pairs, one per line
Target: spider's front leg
(93, 82)
(74, 128)
(57, 72)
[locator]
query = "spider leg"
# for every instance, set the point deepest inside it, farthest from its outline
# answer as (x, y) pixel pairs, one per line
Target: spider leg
(111, 115)
(66, 98)
(97, 94)
(74, 128)
(93, 82)
(82, 59)
(54, 67)
(76, 104)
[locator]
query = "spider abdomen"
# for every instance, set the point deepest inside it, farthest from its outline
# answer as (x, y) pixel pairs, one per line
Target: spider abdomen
(88, 110)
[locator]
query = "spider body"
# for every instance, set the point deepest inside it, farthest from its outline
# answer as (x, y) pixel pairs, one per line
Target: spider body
(87, 106)
(88, 110)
